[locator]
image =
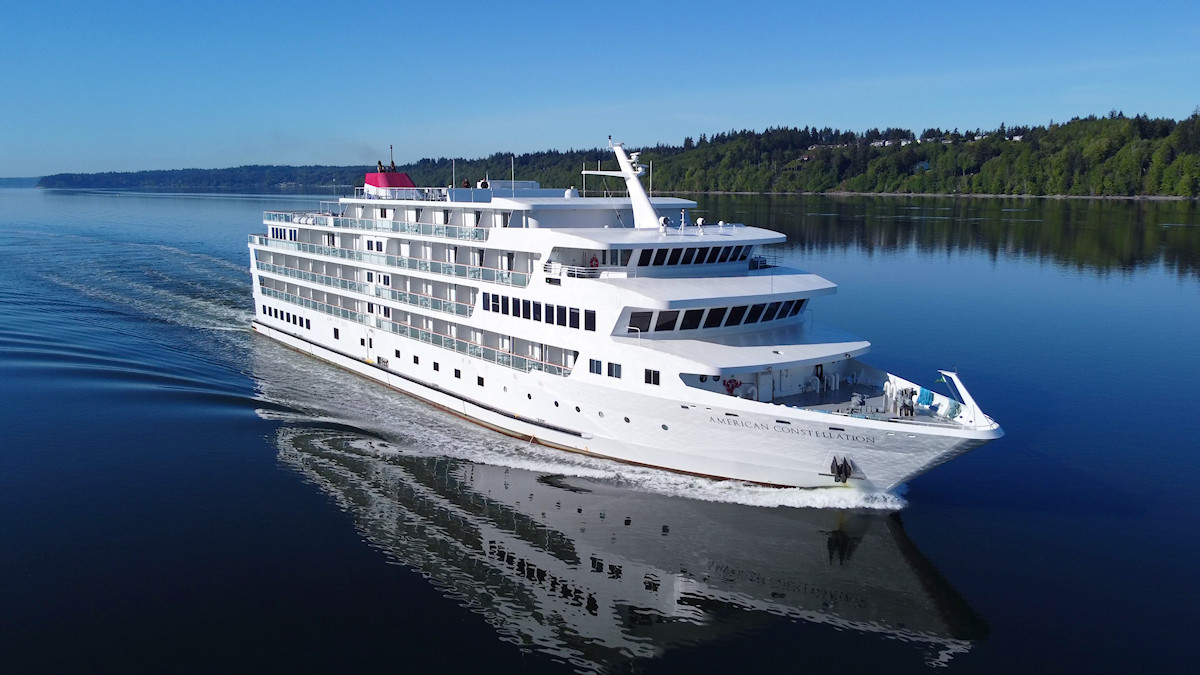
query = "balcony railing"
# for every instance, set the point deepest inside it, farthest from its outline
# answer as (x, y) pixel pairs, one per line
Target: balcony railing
(472, 349)
(473, 272)
(414, 299)
(456, 232)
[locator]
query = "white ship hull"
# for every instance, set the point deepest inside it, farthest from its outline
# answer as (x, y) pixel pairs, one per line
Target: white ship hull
(725, 438)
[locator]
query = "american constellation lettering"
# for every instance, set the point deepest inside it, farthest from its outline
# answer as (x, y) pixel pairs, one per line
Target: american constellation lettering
(785, 429)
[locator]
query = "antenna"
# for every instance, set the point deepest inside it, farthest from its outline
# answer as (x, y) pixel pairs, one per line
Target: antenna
(391, 155)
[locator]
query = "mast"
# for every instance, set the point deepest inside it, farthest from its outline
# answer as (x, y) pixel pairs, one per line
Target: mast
(644, 215)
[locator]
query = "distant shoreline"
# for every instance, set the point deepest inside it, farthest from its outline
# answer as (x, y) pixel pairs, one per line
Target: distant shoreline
(956, 195)
(303, 189)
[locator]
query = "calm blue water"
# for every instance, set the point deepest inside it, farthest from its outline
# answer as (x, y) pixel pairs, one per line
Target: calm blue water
(179, 494)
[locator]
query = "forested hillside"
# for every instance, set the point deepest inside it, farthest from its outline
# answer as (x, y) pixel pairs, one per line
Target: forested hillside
(1108, 156)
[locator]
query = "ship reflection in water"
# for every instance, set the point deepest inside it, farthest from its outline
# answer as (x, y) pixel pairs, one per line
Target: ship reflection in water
(598, 575)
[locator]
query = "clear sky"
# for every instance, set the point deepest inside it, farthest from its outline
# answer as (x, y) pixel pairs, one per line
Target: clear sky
(125, 86)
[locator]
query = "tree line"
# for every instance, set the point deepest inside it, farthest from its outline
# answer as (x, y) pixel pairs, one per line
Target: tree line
(1113, 155)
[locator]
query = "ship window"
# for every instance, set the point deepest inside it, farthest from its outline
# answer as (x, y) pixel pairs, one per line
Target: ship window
(562, 315)
(504, 304)
(537, 311)
(724, 254)
(307, 324)
(457, 374)
(660, 256)
(737, 251)
(549, 313)
(385, 279)
(362, 342)
(594, 366)
(644, 258)
(495, 303)
(755, 312)
(745, 252)
(574, 317)
(335, 334)
(487, 301)
(437, 366)
(786, 308)
(799, 306)
(525, 309)
(589, 319)
(397, 353)
(370, 308)
(416, 359)
(772, 309)
(651, 376)
(714, 317)
(640, 322)
(691, 319)
(479, 380)
(614, 370)
(735, 315)
(712, 254)
(674, 259)
(688, 255)
(666, 320)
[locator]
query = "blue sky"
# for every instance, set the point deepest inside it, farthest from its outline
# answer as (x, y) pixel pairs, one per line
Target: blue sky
(125, 86)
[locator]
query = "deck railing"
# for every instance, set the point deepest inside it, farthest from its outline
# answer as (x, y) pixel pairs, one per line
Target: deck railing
(414, 299)
(472, 272)
(456, 232)
(472, 349)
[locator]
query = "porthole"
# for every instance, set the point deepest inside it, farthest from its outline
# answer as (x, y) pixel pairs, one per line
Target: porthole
(664, 427)
(556, 404)
(576, 408)
(601, 414)
(704, 378)
(529, 396)
(626, 420)
(506, 389)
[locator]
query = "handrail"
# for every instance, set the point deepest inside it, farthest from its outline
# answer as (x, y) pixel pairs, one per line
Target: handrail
(405, 297)
(458, 232)
(475, 272)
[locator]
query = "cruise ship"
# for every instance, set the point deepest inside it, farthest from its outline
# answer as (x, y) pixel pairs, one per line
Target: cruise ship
(618, 327)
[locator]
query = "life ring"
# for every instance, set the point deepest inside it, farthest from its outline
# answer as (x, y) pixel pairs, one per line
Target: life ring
(595, 262)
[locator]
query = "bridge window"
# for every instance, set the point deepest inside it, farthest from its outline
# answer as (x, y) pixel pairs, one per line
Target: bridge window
(666, 320)
(640, 322)
(691, 319)
(735, 315)
(715, 315)
(755, 312)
